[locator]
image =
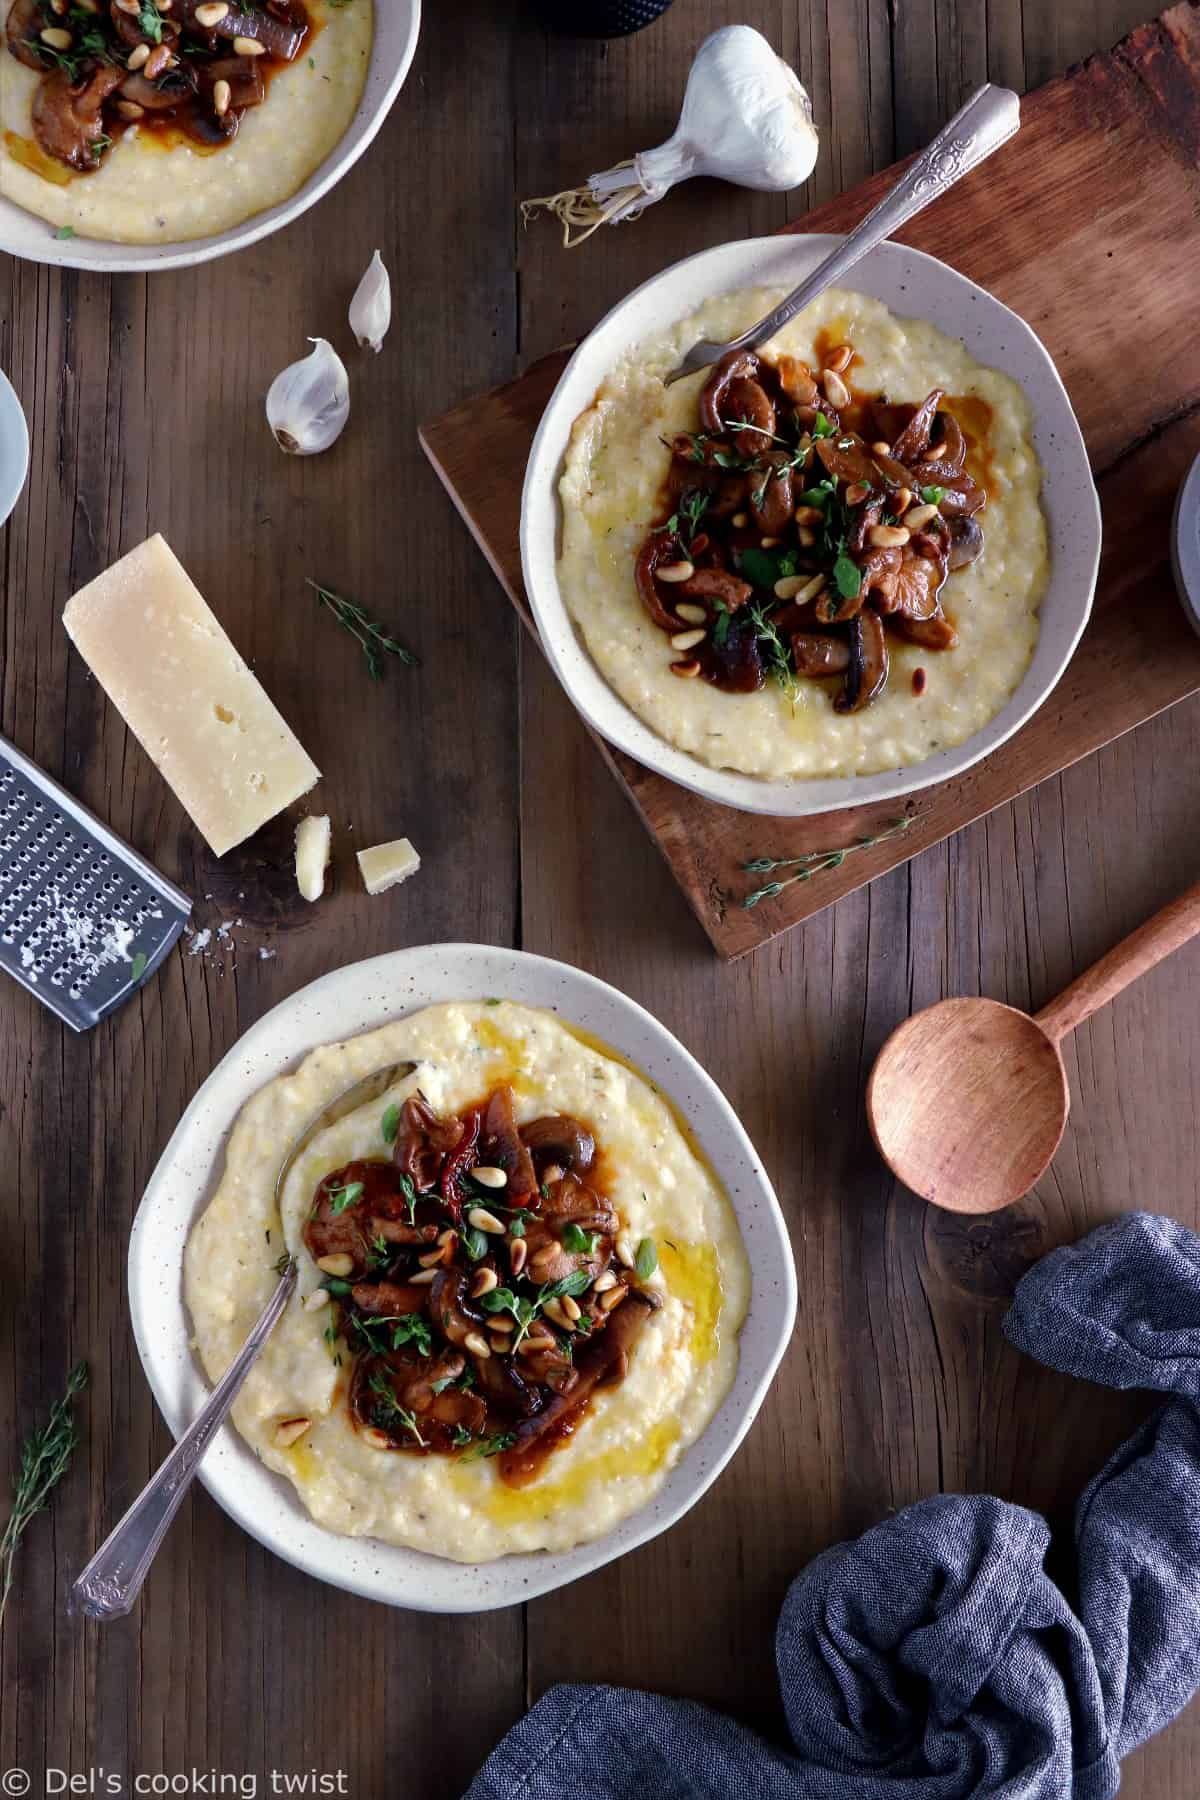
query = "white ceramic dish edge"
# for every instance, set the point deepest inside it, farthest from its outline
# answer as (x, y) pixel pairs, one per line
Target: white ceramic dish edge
(14, 448)
(912, 284)
(23, 234)
(358, 998)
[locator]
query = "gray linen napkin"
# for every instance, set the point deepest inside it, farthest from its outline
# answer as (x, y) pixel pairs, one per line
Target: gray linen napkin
(935, 1659)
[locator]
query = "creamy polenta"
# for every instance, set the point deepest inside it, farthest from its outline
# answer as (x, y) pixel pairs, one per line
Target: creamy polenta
(663, 1192)
(153, 187)
(613, 494)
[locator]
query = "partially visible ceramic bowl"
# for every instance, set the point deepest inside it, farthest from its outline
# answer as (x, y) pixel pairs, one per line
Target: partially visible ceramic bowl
(397, 27)
(912, 285)
(356, 999)
(14, 448)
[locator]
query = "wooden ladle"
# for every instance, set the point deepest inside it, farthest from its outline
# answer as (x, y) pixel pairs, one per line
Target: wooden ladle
(968, 1100)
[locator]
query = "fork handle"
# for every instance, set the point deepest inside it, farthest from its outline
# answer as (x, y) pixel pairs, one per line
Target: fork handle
(990, 117)
(108, 1588)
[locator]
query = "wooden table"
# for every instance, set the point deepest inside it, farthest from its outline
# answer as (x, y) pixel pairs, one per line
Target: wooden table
(144, 400)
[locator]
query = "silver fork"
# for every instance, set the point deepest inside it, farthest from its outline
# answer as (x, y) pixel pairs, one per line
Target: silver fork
(989, 118)
(108, 1588)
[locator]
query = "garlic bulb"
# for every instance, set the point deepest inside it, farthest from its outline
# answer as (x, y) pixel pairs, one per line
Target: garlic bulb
(371, 307)
(746, 118)
(309, 403)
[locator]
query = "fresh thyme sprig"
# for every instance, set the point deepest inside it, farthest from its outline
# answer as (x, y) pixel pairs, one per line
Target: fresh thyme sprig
(375, 640)
(815, 862)
(44, 1459)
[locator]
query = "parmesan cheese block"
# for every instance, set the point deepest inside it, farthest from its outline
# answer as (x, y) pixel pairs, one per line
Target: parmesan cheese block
(385, 865)
(149, 637)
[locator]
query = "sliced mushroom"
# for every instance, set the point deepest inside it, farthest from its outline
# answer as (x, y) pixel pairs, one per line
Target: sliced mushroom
(770, 492)
(68, 119)
(736, 365)
(936, 633)
(432, 1372)
(569, 1203)
(281, 38)
(966, 542)
(163, 95)
(735, 661)
(948, 429)
(914, 439)
(797, 381)
(962, 494)
(868, 668)
(817, 655)
(500, 1147)
(750, 408)
(561, 1139)
(454, 1316)
(423, 1140)
(26, 18)
(714, 584)
(914, 592)
(388, 1299)
(661, 547)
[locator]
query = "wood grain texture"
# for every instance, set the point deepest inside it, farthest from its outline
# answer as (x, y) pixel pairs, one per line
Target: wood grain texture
(898, 1381)
(1088, 147)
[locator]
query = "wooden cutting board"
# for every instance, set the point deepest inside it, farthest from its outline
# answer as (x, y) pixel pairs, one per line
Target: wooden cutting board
(1086, 224)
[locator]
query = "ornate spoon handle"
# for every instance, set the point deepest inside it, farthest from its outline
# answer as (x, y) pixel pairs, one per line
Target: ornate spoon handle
(112, 1581)
(989, 118)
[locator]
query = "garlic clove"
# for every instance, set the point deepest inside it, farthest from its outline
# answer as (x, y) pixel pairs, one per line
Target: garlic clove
(371, 307)
(308, 403)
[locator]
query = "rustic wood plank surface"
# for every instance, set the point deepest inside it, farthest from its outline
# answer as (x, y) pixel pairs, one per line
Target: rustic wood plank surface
(898, 1381)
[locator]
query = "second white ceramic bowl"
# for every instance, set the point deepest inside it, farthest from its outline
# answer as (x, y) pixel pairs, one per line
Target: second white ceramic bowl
(912, 285)
(397, 27)
(358, 998)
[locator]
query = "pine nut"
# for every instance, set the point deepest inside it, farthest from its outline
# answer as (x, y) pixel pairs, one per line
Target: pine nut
(423, 1278)
(130, 6)
(806, 537)
(740, 520)
(603, 1282)
(538, 1340)
(484, 1282)
(503, 1323)
(836, 391)
(211, 13)
(571, 1307)
(87, 6)
(497, 1344)
(918, 516)
(316, 1300)
(691, 615)
(447, 1237)
(687, 640)
(856, 493)
(137, 58)
(129, 109)
(56, 37)
(612, 1298)
(554, 1311)
(799, 587)
(378, 1440)
(687, 670)
(489, 1177)
(539, 1264)
(433, 1259)
(477, 1344)
(244, 46)
(58, 6)
(624, 1250)
(809, 515)
(290, 1431)
(672, 572)
(222, 98)
(901, 500)
(888, 537)
(840, 359)
(934, 453)
(518, 1250)
(338, 1264)
(882, 449)
(769, 543)
(483, 1220)
(157, 61)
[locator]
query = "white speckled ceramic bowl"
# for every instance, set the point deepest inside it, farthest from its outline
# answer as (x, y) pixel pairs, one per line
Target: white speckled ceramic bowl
(359, 998)
(14, 448)
(911, 284)
(397, 27)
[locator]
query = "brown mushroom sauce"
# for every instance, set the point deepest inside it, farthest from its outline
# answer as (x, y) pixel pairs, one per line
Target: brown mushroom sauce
(480, 1314)
(806, 524)
(183, 68)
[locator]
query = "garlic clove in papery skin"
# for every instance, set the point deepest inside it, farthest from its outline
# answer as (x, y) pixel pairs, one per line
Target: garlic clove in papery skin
(371, 307)
(746, 118)
(308, 403)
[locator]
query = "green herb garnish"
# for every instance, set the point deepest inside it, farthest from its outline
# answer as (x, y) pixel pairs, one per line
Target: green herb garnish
(646, 1259)
(814, 862)
(138, 966)
(579, 1242)
(376, 642)
(933, 496)
(45, 1456)
(342, 1197)
(389, 1125)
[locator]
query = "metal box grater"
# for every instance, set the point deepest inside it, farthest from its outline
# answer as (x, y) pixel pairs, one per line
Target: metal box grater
(78, 908)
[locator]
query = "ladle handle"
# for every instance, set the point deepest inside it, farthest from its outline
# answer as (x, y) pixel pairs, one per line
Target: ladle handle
(1168, 930)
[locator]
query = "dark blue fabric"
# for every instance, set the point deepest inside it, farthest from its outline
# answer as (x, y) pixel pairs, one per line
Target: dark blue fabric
(935, 1659)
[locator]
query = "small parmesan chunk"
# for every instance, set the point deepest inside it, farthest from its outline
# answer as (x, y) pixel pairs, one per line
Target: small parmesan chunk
(313, 838)
(203, 719)
(387, 864)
